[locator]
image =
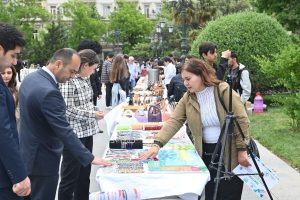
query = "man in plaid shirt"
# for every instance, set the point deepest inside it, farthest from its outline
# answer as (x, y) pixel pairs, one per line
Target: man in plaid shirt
(82, 116)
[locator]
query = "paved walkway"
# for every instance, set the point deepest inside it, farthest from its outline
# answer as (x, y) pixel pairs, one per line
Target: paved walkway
(287, 189)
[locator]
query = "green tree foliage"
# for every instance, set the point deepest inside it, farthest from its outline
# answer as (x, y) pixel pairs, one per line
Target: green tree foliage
(208, 10)
(85, 22)
(133, 25)
(284, 68)
(199, 12)
(249, 34)
(226, 7)
(23, 14)
(286, 12)
(51, 40)
(141, 50)
(165, 11)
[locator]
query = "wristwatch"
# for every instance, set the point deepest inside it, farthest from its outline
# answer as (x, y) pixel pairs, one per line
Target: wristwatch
(158, 143)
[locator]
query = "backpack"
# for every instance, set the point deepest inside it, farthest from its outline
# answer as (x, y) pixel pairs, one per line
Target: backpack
(236, 84)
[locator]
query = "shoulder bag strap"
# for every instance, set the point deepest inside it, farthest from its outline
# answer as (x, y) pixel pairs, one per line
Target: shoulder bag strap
(220, 99)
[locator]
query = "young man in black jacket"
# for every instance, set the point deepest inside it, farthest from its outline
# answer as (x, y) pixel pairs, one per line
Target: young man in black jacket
(208, 51)
(14, 181)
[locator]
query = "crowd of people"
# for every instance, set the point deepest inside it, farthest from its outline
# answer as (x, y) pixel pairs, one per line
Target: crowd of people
(54, 113)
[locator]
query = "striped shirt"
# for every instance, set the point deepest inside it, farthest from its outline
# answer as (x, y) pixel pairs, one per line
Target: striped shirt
(209, 117)
(78, 95)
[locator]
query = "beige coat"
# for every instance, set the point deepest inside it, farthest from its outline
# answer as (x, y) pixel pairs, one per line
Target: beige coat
(188, 109)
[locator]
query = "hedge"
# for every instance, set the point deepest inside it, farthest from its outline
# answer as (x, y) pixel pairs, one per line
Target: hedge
(251, 35)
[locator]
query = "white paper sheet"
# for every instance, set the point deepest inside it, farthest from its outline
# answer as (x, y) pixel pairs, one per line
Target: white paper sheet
(254, 181)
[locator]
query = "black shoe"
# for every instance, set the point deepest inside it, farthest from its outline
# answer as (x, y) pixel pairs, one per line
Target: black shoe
(100, 131)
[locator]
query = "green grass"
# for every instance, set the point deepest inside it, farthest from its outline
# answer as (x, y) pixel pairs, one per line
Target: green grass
(273, 130)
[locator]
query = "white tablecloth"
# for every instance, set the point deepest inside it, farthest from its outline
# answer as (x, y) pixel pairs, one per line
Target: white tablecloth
(186, 185)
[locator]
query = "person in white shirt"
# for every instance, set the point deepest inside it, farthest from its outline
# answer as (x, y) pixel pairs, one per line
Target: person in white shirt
(169, 70)
(133, 71)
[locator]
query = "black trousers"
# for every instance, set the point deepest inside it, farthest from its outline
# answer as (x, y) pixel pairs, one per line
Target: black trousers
(75, 179)
(42, 187)
(95, 100)
(108, 87)
(228, 189)
(19, 75)
(8, 194)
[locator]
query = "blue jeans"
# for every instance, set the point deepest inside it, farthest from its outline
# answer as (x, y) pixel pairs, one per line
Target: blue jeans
(132, 84)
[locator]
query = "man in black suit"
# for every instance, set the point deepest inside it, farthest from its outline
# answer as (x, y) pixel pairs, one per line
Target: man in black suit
(14, 182)
(44, 129)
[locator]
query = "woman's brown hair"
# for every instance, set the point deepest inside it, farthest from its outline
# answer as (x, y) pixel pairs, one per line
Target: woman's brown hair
(200, 68)
(12, 85)
(88, 56)
(119, 69)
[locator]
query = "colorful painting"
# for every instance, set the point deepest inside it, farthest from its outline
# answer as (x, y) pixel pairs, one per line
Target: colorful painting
(177, 160)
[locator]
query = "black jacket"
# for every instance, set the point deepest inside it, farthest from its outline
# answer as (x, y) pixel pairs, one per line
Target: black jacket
(221, 68)
(44, 129)
(12, 168)
(176, 87)
(96, 84)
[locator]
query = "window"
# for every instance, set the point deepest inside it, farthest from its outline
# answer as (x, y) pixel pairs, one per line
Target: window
(158, 9)
(37, 26)
(53, 10)
(106, 11)
(147, 10)
(60, 10)
(35, 35)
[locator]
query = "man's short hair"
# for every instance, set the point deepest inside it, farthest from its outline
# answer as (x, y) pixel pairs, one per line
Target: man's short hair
(110, 55)
(64, 54)
(167, 59)
(160, 63)
(206, 47)
(10, 37)
(90, 44)
(234, 54)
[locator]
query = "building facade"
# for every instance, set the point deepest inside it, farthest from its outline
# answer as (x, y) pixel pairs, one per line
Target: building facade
(150, 8)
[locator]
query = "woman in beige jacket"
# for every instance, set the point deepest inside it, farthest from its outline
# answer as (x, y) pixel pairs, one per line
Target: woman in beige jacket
(201, 108)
